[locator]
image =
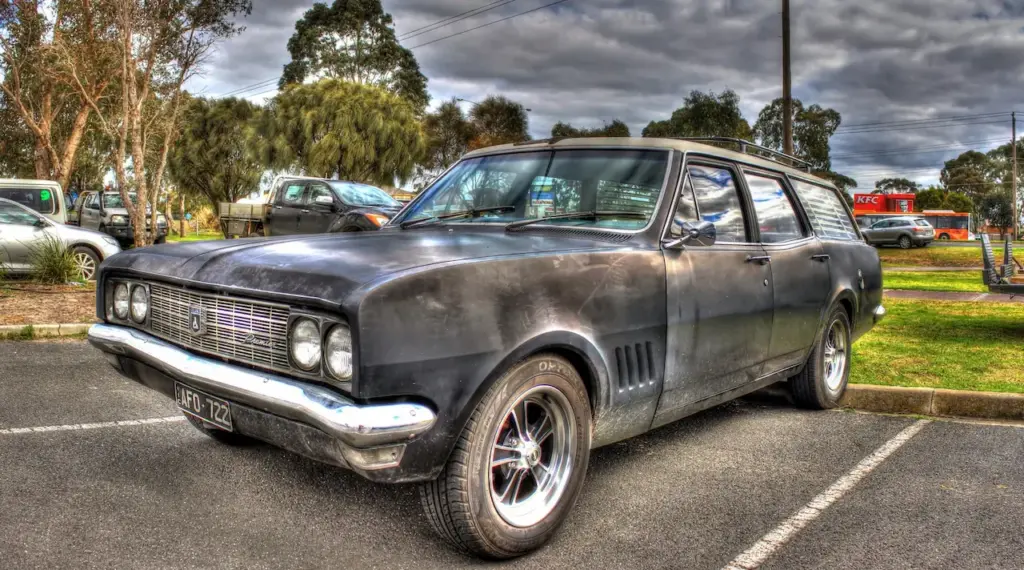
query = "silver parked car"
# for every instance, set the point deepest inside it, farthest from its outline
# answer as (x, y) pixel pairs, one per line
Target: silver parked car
(904, 231)
(22, 229)
(43, 196)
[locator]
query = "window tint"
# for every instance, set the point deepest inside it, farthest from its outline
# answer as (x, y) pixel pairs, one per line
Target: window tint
(38, 199)
(902, 223)
(292, 195)
(775, 216)
(719, 201)
(316, 190)
(921, 222)
(15, 216)
(881, 224)
(825, 209)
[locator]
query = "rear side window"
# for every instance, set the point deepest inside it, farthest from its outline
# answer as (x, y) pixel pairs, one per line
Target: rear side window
(824, 207)
(41, 200)
(719, 201)
(921, 222)
(775, 216)
(292, 194)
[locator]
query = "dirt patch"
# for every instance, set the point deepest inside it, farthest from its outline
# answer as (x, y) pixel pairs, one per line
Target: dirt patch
(27, 303)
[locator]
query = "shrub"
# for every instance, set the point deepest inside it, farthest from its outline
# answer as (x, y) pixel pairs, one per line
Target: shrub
(53, 262)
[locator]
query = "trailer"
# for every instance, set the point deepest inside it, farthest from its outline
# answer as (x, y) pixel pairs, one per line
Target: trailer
(241, 220)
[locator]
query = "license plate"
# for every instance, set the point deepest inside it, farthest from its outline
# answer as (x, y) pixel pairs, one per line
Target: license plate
(203, 406)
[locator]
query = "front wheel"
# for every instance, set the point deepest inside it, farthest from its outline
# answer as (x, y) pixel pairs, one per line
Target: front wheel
(87, 261)
(519, 464)
(944, 237)
(824, 378)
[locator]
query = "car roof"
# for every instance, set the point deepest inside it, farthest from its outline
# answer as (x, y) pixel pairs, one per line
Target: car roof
(27, 181)
(653, 143)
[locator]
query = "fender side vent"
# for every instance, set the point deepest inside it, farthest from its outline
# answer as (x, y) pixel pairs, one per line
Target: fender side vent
(635, 365)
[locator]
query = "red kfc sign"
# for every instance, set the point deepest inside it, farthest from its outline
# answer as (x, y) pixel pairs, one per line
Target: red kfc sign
(874, 202)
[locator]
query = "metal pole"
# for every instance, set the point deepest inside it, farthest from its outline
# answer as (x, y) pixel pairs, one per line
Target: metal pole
(1013, 146)
(787, 91)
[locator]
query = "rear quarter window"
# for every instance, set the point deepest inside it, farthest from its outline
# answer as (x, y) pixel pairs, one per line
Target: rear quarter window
(829, 218)
(41, 200)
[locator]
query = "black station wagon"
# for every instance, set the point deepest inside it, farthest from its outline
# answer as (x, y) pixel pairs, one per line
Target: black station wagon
(535, 302)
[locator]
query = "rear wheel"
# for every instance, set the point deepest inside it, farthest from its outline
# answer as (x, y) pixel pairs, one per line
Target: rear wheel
(219, 435)
(519, 464)
(944, 237)
(904, 242)
(87, 261)
(824, 378)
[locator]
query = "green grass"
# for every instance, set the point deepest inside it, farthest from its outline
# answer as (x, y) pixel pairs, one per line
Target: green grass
(25, 333)
(201, 236)
(936, 256)
(965, 281)
(942, 344)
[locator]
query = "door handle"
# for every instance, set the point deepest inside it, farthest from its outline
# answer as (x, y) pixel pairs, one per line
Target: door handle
(305, 211)
(820, 257)
(759, 259)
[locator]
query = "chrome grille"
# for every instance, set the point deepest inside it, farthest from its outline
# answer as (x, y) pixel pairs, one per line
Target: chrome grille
(231, 325)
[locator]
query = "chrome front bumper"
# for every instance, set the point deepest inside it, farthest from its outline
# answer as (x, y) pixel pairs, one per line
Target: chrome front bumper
(371, 436)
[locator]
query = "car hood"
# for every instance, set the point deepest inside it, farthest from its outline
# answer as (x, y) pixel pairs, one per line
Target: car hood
(329, 267)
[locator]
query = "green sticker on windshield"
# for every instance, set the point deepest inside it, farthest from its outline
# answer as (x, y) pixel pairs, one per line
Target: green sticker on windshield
(44, 195)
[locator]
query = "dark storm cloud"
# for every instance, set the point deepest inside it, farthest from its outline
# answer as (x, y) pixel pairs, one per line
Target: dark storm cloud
(590, 61)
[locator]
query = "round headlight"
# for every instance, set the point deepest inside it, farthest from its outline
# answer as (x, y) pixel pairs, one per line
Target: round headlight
(304, 344)
(339, 352)
(121, 301)
(140, 304)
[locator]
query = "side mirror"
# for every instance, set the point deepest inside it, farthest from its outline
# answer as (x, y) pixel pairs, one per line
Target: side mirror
(40, 223)
(700, 233)
(323, 201)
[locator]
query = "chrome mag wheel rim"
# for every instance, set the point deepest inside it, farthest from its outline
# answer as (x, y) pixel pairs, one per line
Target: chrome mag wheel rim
(86, 265)
(835, 355)
(531, 458)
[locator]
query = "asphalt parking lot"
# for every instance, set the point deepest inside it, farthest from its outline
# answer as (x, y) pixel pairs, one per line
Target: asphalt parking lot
(884, 492)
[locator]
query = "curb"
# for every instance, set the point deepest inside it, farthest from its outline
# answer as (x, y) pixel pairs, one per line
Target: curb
(934, 402)
(29, 332)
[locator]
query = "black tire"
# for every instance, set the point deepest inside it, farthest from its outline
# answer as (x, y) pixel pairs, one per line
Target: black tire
(811, 388)
(226, 437)
(459, 502)
(904, 242)
(160, 240)
(944, 237)
(88, 261)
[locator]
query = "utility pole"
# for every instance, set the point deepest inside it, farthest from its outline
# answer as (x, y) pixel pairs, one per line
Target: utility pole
(1013, 146)
(787, 89)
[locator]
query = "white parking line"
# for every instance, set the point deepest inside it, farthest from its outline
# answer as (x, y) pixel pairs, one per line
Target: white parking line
(774, 540)
(98, 425)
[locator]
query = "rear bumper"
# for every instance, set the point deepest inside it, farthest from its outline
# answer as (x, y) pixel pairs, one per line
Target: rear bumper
(298, 416)
(878, 314)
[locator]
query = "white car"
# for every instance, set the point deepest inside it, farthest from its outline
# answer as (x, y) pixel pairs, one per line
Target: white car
(22, 229)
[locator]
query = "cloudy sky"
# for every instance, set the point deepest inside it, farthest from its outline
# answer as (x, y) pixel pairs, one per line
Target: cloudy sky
(895, 69)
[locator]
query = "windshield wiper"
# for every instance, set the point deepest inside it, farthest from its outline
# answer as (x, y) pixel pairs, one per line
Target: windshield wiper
(575, 215)
(472, 213)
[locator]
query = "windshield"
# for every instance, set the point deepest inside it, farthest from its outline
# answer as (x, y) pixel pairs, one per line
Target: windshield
(548, 183)
(114, 200)
(355, 194)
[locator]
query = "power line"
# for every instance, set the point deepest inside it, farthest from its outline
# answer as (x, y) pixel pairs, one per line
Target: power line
(880, 130)
(934, 119)
(453, 19)
(915, 150)
(250, 87)
(442, 38)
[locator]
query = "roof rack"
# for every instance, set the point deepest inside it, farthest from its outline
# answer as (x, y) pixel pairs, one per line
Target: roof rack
(744, 145)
